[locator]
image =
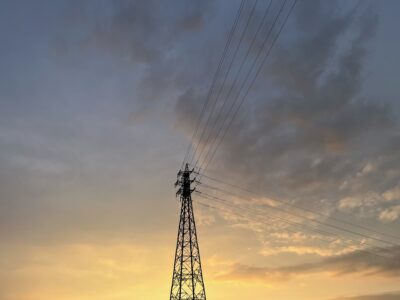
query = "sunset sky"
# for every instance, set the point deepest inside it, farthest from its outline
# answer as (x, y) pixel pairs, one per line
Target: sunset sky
(99, 101)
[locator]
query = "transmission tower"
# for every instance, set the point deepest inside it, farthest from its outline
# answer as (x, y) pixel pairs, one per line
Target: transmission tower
(187, 278)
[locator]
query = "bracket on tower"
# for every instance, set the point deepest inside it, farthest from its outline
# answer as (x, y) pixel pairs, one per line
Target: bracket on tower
(184, 181)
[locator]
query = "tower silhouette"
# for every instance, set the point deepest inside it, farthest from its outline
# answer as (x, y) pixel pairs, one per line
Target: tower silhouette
(187, 278)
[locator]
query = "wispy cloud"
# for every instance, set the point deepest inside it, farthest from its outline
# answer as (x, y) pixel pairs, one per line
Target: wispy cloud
(358, 262)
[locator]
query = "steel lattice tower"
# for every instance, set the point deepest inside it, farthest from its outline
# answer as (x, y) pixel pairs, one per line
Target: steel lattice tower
(187, 278)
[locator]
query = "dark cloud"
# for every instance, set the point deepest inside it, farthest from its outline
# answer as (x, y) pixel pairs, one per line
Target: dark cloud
(146, 31)
(384, 296)
(157, 37)
(307, 128)
(358, 262)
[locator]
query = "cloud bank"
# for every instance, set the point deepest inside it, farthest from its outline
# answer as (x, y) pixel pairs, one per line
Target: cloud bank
(358, 262)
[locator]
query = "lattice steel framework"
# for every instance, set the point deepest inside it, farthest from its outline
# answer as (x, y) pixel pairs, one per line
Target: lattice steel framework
(187, 278)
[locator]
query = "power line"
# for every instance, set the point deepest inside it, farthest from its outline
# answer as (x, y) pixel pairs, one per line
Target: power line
(224, 80)
(303, 208)
(288, 229)
(243, 216)
(292, 223)
(246, 77)
(327, 224)
(221, 109)
(252, 82)
(216, 74)
(320, 222)
(258, 213)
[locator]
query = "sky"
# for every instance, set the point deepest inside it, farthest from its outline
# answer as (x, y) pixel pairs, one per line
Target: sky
(99, 101)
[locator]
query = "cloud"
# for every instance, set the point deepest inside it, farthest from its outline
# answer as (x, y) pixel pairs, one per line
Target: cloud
(392, 194)
(357, 262)
(145, 32)
(154, 43)
(372, 203)
(361, 201)
(390, 214)
(307, 131)
(303, 133)
(86, 270)
(383, 296)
